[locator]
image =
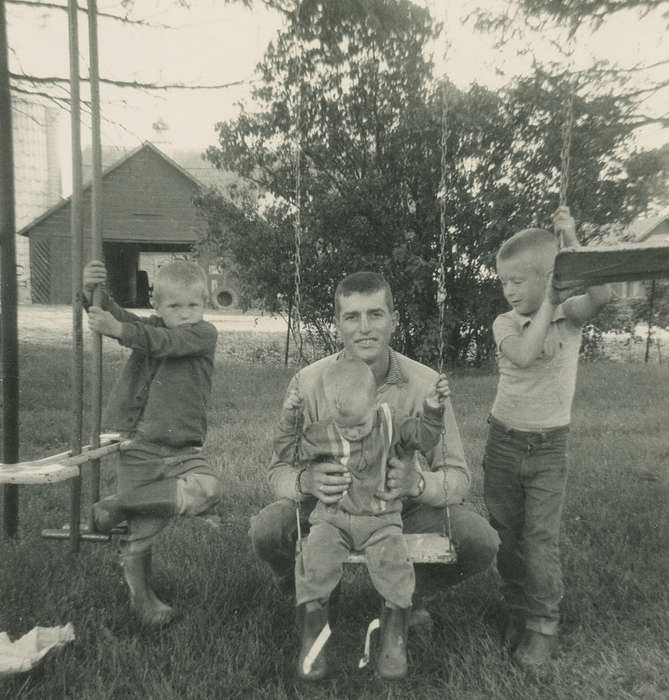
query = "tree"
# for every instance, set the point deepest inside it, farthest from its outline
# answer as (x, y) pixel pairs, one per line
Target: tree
(371, 115)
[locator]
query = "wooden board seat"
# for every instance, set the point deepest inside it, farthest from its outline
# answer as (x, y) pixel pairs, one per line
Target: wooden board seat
(428, 548)
(616, 263)
(58, 467)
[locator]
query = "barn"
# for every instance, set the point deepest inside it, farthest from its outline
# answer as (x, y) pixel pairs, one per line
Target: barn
(148, 217)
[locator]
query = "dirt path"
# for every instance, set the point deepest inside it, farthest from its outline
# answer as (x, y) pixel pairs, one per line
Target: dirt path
(53, 324)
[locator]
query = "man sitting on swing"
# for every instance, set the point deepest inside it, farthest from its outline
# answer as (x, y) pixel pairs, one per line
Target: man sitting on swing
(365, 319)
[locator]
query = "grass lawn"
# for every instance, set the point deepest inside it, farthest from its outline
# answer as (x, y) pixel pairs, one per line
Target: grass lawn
(235, 635)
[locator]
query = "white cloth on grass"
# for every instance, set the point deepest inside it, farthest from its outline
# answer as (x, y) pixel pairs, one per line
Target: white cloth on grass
(25, 653)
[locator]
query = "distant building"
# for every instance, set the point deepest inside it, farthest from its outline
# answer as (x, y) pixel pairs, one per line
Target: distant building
(37, 182)
(648, 231)
(148, 218)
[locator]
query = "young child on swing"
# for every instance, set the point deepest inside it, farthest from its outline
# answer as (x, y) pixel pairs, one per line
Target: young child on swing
(159, 403)
(525, 461)
(362, 435)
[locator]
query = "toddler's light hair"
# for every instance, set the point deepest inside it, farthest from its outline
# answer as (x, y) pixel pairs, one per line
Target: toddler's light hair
(182, 273)
(539, 245)
(349, 384)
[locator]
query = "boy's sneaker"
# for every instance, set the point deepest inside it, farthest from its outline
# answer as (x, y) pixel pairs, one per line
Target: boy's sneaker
(514, 629)
(535, 651)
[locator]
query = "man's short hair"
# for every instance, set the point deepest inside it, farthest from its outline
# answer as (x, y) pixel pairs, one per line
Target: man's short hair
(349, 382)
(540, 245)
(181, 273)
(363, 283)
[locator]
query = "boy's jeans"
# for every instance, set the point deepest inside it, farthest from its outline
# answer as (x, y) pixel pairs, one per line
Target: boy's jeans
(525, 479)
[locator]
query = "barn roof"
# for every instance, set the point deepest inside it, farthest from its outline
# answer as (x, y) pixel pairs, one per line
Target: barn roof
(124, 159)
(643, 228)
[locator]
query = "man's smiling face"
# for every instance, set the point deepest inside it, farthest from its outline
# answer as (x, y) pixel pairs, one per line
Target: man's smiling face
(366, 324)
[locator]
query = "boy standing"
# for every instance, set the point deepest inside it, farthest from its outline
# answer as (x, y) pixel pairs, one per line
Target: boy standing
(362, 435)
(159, 403)
(525, 461)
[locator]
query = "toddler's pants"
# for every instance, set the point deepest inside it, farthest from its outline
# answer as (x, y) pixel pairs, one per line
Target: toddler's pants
(333, 534)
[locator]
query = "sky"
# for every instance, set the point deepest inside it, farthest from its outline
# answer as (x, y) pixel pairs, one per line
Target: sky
(215, 43)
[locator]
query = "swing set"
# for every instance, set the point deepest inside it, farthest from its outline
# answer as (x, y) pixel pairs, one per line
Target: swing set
(65, 466)
(594, 265)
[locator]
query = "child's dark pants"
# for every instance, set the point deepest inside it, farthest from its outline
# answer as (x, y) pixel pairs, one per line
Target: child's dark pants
(525, 479)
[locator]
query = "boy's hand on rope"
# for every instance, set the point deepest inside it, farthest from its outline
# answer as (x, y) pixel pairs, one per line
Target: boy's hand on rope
(293, 400)
(565, 228)
(439, 393)
(95, 273)
(104, 323)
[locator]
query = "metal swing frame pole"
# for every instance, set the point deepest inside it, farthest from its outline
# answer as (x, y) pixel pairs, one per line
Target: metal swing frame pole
(9, 294)
(96, 249)
(76, 234)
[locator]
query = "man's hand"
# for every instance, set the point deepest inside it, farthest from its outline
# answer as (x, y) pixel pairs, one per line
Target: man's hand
(104, 323)
(402, 479)
(327, 481)
(439, 392)
(95, 273)
(565, 227)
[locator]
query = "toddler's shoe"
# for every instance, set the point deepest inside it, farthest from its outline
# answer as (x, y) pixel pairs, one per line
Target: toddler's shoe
(392, 661)
(313, 620)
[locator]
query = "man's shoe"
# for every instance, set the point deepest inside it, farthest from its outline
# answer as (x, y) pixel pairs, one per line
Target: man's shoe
(535, 651)
(514, 629)
(392, 660)
(315, 631)
(421, 621)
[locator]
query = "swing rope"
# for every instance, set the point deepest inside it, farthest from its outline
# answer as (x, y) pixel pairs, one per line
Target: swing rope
(565, 153)
(297, 264)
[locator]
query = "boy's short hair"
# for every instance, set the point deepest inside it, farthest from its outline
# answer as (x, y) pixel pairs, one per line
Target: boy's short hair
(181, 273)
(540, 244)
(364, 282)
(348, 381)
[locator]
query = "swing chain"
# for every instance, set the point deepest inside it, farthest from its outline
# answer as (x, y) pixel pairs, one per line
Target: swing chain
(441, 290)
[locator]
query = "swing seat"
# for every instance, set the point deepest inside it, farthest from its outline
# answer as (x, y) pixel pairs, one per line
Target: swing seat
(59, 467)
(616, 263)
(427, 548)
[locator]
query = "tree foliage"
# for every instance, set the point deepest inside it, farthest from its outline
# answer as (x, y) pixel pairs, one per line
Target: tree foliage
(371, 115)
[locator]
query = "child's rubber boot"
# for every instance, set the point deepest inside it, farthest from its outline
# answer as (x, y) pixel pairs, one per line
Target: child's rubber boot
(392, 660)
(158, 499)
(107, 513)
(535, 651)
(143, 600)
(315, 631)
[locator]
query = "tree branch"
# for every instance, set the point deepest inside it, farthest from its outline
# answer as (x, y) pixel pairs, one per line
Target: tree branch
(133, 84)
(106, 15)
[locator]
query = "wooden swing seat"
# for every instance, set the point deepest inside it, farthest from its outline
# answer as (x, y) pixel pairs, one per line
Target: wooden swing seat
(430, 548)
(616, 263)
(59, 467)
